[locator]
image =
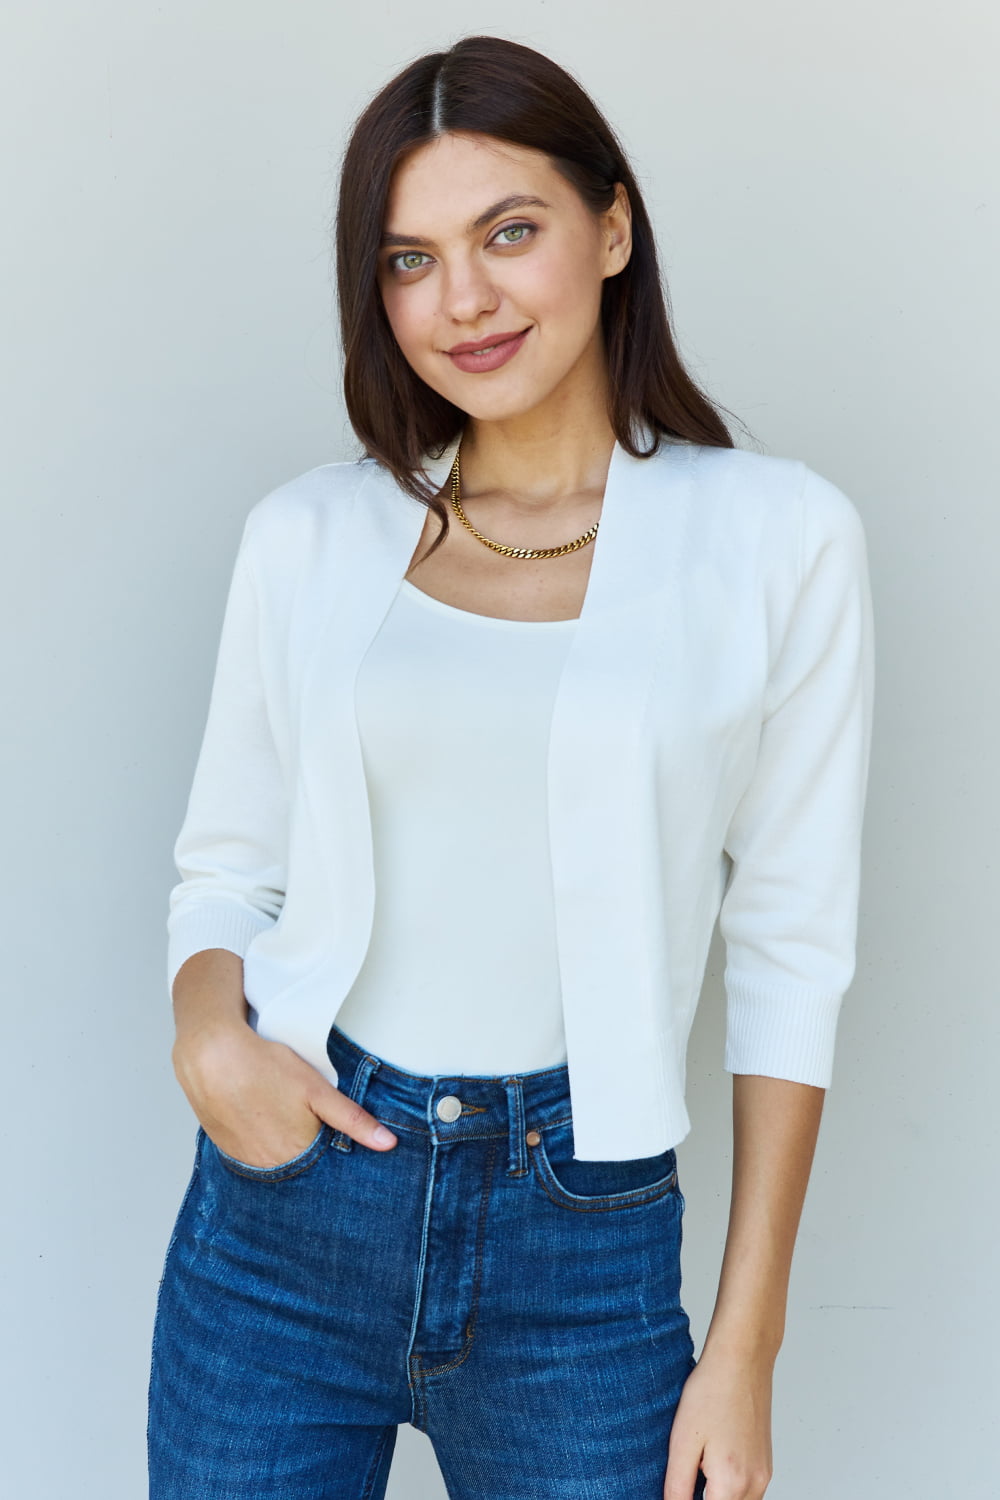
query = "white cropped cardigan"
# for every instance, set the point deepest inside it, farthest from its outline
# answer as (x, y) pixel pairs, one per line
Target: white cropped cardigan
(708, 758)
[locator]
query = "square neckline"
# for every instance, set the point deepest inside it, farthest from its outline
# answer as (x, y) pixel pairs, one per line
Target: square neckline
(470, 614)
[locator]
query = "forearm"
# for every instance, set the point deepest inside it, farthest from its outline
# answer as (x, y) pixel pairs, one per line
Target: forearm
(775, 1128)
(208, 996)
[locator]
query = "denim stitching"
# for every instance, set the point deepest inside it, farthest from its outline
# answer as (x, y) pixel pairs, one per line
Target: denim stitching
(517, 1160)
(418, 1414)
(372, 1475)
(606, 1202)
(484, 1135)
(477, 1278)
(282, 1172)
(363, 1074)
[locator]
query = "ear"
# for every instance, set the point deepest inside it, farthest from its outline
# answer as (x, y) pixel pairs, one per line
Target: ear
(617, 232)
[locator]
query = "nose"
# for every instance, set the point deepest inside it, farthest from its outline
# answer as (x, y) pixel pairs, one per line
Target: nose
(468, 293)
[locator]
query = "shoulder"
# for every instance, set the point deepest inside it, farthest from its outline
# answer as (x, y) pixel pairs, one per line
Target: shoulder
(781, 501)
(293, 514)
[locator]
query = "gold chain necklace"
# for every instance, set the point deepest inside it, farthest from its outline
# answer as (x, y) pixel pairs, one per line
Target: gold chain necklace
(581, 541)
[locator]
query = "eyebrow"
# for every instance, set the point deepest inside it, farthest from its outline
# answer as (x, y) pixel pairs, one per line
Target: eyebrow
(505, 205)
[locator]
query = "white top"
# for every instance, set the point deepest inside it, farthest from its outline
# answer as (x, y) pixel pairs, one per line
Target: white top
(462, 971)
(708, 758)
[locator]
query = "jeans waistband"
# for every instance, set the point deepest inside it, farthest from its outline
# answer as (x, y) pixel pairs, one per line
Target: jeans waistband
(452, 1106)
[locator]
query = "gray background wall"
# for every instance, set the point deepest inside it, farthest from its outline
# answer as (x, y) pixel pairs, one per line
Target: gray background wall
(824, 184)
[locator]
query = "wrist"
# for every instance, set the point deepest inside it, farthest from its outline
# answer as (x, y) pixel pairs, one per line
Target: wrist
(209, 1043)
(744, 1341)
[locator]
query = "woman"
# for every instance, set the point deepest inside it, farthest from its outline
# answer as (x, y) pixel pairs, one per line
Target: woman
(505, 714)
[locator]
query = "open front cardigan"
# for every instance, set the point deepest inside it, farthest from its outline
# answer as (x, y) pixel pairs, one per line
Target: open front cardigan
(708, 758)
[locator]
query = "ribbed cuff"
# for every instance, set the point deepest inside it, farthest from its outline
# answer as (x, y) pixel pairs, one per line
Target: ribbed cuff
(780, 1032)
(210, 924)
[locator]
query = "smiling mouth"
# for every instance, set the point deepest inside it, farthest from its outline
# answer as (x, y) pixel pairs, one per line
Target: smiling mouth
(488, 348)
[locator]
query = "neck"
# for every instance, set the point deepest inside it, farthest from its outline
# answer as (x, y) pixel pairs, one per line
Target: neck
(541, 456)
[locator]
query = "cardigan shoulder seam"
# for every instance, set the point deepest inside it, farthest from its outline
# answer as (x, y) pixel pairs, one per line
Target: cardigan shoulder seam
(297, 502)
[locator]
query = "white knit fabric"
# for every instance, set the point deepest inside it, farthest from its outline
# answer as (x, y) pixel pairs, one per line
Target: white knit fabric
(707, 758)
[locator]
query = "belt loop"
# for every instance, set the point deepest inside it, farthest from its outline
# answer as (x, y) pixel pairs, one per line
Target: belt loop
(517, 1164)
(359, 1084)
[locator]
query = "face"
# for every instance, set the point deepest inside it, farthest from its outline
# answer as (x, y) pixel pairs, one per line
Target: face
(486, 242)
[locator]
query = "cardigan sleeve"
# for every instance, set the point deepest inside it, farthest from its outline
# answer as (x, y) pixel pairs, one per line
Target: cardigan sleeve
(231, 851)
(789, 914)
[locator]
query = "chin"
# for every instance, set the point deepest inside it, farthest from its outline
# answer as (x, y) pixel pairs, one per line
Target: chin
(499, 407)
(483, 412)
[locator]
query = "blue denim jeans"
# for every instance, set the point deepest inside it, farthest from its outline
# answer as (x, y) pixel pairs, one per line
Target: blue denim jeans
(519, 1307)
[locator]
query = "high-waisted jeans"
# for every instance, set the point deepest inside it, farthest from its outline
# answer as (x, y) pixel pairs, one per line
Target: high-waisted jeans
(519, 1307)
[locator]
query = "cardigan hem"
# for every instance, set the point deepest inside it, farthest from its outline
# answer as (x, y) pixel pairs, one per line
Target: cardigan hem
(214, 923)
(780, 1031)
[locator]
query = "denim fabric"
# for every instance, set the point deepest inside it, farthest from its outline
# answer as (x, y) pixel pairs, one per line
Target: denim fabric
(521, 1308)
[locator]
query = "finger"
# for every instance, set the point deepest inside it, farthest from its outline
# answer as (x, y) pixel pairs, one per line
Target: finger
(737, 1483)
(682, 1474)
(353, 1119)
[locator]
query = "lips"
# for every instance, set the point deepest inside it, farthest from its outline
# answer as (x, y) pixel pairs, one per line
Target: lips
(480, 346)
(487, 354)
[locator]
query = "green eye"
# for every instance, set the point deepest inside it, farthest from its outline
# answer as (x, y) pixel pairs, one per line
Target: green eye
(520, 230)
(409, 255)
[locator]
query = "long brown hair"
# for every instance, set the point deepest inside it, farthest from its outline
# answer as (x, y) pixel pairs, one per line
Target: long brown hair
(491, 86)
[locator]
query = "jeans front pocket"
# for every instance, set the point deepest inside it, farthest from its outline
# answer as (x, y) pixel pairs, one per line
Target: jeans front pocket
(593, 1186)
(294, 1167)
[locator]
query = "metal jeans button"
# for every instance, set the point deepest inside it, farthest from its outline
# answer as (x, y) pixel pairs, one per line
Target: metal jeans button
(449, 1108)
